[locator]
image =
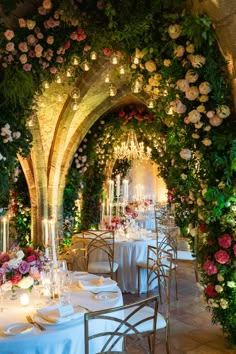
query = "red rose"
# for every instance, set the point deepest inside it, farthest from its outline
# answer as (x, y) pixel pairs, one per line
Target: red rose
(202, 228)
(222, 256)
(31, 258)
(4, 257)
(210, 291)
(67, 45)
(107, 52)
(15, 279)
(234, 248)
(121, 114)
(225, 241)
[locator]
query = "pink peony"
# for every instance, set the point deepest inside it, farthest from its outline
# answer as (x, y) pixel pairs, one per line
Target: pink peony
(222, 256)
(210, 291)
(210, 267)
(225, 241)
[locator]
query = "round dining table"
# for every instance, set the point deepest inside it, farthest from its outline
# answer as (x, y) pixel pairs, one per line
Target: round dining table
(59, 337)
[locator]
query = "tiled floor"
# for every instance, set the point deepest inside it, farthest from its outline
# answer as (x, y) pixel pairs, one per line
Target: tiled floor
(191, 329)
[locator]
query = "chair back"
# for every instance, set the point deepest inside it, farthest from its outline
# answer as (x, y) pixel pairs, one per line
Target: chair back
(101, 242)
(116, 330)
(79, 253)
(159, 266)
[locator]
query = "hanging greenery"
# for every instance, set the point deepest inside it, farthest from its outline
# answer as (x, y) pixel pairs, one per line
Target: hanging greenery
(171, 57)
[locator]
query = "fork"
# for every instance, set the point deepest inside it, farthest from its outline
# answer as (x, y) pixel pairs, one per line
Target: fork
(103, 291)
(34, 323)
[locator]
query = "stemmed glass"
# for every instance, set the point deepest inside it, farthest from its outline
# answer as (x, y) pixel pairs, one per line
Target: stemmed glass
(4, 287)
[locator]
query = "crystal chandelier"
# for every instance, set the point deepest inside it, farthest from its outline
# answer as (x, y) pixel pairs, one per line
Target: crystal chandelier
(132, 149)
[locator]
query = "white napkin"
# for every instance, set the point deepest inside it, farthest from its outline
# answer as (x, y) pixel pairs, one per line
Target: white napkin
(60, 314)
(94, 282)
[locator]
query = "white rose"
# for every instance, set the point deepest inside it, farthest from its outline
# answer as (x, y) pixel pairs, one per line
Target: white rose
(150, 66)
(223, 304)
(190, 48)
(182, 85)
(185, 154)
(26, 282)
(194, 116)
(20, 254)
(220, 277)
(183, 176)
(221, 185)
(179, 51)
(6, 286)
(219, 289)
(14, 263)
(207, 128)
(198, 125)
(197, 61)
(231, 284)
(174, 31)
(167, 62)
(204, 88)
(195, 136)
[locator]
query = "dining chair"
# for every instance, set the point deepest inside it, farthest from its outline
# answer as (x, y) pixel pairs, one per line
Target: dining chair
(122, 329)
(159, 275)
(100, 252)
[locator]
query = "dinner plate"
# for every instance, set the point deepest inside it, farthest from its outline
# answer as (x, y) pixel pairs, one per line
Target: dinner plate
(15, 329)
(106, 296)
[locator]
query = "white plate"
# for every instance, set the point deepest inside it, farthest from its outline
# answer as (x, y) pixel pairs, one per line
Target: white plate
(18, 329)
(106, 296)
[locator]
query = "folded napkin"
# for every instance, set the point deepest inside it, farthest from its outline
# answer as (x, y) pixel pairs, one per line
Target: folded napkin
(92, 282)
(60, 314)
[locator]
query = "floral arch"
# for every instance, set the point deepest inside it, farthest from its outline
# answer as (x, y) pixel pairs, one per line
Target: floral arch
(169, 57)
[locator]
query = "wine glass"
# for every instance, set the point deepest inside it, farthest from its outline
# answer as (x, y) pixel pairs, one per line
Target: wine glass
(4, 287)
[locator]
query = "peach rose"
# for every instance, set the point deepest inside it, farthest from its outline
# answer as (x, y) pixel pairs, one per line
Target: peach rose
(197, 61)
(216, 121)
(23, 58)
(182, 85)
(10, 47)
(191, 76)
(9, 34)
(179, 51)
(22, 22)
(150, 66)
(167, 62)
(192, 93)
(185, 154)
(204, 88)
(174, 31)
(223, 111)
(207, 142)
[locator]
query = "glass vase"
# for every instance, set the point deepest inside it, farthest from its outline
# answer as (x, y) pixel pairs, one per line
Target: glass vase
(13, 293)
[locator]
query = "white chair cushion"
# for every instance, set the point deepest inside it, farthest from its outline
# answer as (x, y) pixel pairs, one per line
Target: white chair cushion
(140, 315)
(185, 256)
(101, 267)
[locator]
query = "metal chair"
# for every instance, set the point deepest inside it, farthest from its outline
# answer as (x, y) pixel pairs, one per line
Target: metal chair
(100, 252)
(132, 325)
(159, 273)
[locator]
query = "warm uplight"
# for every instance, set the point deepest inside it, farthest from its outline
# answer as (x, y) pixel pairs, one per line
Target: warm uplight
(86, 65)
(93, 56)
(112, 90)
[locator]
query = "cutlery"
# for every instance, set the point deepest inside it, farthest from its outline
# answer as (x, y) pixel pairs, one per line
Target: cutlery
(34, 323)
(103, 291)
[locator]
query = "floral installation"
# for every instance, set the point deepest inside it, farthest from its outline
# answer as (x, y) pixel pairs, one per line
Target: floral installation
(21, 268)
(172, 59)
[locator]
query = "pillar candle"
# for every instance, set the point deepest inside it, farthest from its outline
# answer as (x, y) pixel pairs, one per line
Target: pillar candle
(117, 186)
(110, 213)
(125, 189)
(4, 234)
(53, 241)
(111, 190)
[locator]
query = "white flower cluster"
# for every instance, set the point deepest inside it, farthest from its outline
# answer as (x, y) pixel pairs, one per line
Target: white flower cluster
(7, 134)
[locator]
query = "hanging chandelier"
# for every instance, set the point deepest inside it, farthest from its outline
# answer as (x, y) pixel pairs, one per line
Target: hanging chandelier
(132, 149)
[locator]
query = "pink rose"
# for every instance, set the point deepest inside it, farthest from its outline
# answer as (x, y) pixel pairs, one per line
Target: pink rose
(107, 52)
(222, 256)
(31, 258)
(210, 291)
(225, 241)
(53, 70)
(23, 47)
(10, 47)
(60, 59)
(9, 34)
(4, 257)
(27, 67)
(67, 45)
(210, 267)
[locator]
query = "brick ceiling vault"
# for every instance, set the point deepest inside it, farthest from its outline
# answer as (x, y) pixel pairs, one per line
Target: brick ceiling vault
(59, 130)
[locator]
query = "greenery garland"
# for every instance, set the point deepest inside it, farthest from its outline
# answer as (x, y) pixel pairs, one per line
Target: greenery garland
(180, 67)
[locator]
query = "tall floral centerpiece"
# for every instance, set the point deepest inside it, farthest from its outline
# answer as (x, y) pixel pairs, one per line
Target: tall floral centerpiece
(20, 268)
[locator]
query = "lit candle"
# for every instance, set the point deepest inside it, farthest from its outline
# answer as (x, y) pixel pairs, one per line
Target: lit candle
(24, 299)
(111, 190)
(117, 186)
(110, 213)
(102, 214)
(45, 237)
(125, 189)
(53, 241)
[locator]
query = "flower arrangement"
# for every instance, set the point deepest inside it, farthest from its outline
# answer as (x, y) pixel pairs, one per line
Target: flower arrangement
(21, 268)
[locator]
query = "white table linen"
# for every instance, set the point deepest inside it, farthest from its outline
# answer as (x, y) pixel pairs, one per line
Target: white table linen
(66, 338)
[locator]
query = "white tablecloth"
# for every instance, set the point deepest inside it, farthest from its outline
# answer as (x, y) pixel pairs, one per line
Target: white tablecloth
(67, 338)
(127, 255)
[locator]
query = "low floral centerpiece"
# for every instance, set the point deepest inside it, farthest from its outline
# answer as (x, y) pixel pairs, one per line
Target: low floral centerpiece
(20, 268)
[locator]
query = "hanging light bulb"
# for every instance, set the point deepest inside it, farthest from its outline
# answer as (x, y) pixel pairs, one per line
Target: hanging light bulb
(135, 59)
(114, 59)
(75, 93)
(69, 72)
(93, 56)
(151, 103)
(122, 70)
(75, 60)
(112, 90)
(74, 105)
(58, 79)
(137, 84)
(86, 65)
(45, 84)
(107, 79)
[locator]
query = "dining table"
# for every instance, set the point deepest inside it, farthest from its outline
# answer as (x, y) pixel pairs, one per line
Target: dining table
(62, 319)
